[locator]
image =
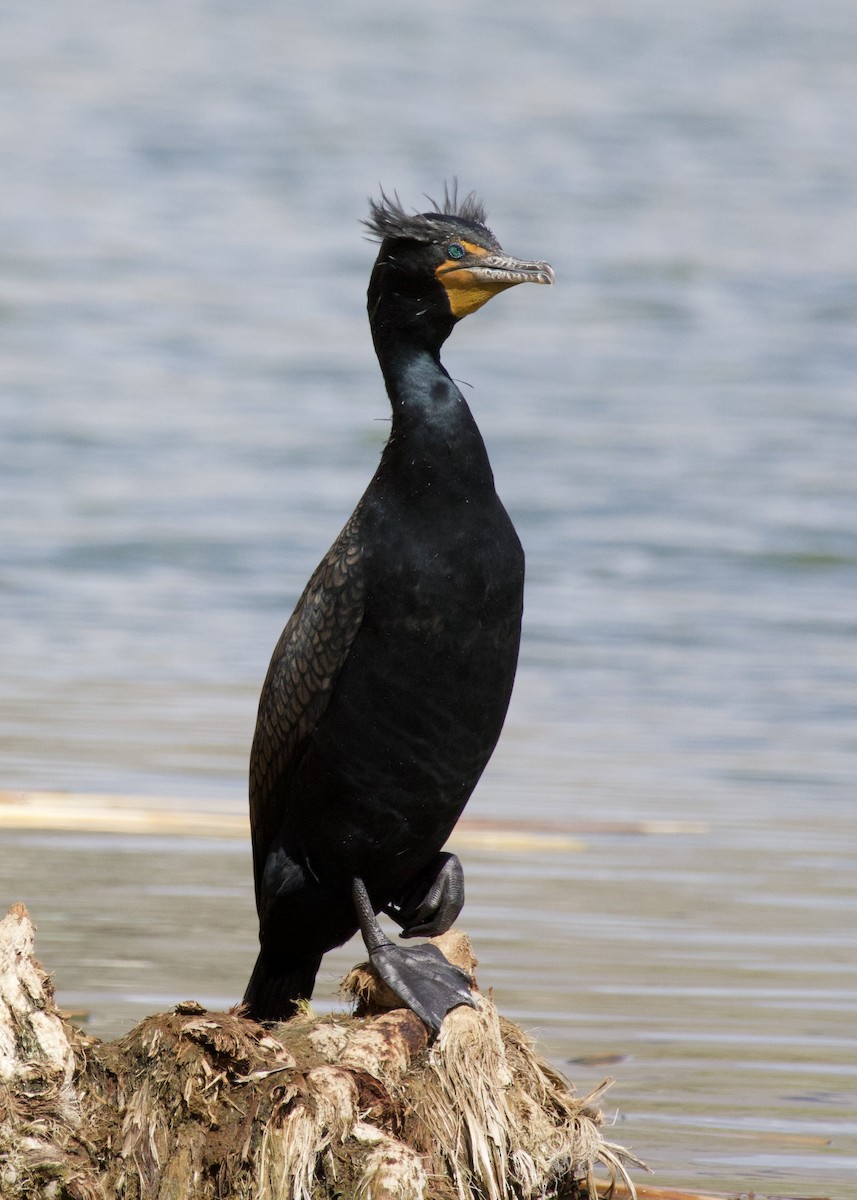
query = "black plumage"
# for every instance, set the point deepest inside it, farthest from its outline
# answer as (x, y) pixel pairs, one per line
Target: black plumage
(389, 686)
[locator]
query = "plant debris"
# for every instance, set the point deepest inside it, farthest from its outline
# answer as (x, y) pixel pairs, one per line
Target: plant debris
(213, 1106)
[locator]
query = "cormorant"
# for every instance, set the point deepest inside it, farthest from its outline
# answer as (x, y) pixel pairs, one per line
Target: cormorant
(389, 686)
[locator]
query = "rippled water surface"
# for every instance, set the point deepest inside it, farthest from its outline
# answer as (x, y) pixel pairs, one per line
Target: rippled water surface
(190, 408)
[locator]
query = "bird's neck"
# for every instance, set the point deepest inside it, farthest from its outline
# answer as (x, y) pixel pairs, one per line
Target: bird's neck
(434, 438)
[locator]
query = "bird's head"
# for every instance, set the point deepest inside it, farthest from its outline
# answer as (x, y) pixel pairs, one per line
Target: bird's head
(435, 268)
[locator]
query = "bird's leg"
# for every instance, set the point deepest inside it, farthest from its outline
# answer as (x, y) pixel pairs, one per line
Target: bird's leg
(420, 975)
(432, 901)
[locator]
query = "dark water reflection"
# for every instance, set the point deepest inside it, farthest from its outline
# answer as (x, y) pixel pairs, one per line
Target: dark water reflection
(190, 408)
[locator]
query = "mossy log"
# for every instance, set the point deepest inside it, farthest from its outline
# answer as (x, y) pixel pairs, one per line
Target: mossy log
(198, 1105)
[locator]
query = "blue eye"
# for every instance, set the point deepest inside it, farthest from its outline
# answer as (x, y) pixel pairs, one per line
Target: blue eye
(456, 251)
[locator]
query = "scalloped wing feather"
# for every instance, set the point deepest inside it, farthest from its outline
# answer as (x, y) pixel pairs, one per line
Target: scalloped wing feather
(304, 667)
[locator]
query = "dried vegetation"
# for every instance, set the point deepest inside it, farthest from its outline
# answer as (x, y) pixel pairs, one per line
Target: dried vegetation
(211, 1106)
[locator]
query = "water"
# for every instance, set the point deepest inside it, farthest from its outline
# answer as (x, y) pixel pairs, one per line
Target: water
(190, 408)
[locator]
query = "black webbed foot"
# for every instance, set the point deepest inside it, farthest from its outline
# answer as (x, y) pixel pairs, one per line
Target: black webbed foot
(433, 900)
(423, 980)
(420, 975)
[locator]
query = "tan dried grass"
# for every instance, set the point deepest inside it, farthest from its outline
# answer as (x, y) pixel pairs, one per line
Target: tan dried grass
(215, 1107)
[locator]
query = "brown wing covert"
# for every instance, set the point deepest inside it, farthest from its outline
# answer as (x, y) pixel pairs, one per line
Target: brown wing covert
(304, 666)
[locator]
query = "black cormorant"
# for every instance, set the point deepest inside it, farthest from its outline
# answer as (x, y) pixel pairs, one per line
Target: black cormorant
(389, 686)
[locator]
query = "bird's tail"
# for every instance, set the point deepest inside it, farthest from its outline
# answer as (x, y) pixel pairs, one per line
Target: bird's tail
(276, 986)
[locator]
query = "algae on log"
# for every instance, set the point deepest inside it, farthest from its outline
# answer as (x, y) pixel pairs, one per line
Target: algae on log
(212, 1106)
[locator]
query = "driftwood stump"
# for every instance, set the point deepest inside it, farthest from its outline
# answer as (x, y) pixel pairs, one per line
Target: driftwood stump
(197, 1105)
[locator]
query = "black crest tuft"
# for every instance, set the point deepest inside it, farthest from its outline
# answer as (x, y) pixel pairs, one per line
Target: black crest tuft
(388, 219)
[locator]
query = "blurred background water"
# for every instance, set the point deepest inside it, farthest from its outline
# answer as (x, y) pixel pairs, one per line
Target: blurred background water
(190, 408)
